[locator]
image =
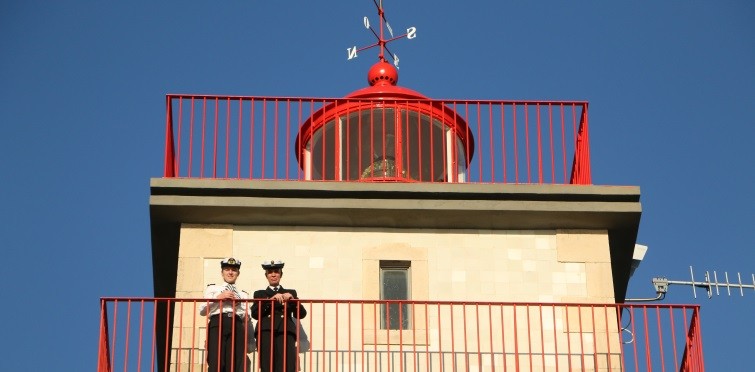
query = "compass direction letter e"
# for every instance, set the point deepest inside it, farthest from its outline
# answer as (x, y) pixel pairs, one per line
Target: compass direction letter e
(411, 32)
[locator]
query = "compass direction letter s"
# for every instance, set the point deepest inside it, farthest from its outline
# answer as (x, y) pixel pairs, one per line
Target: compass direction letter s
(352, 52)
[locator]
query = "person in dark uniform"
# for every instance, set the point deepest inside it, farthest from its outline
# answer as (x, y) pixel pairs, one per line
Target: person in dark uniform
(276, 327)
(226, 328)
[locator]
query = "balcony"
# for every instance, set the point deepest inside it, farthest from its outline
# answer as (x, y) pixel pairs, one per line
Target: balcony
(377, 140)
(147, 334)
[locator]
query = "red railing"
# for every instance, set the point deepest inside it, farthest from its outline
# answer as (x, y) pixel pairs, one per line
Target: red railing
(145, 334)
(234, 137)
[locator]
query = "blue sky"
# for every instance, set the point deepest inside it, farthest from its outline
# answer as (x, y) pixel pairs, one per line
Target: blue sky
(671, 86)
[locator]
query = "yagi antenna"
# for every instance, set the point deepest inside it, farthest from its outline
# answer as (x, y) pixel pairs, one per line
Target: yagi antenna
(661, 285)
(382, 42)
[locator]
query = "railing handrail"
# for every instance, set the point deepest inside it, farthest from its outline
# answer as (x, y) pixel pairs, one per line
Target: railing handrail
(368, 99)
(416, 302)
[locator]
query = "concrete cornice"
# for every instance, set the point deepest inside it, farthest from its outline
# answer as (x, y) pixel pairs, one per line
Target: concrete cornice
(174, 201)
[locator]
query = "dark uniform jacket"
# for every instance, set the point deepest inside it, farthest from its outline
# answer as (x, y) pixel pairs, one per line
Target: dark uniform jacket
(269, 313)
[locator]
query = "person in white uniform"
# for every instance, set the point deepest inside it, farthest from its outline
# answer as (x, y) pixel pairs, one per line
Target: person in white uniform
(226, 328)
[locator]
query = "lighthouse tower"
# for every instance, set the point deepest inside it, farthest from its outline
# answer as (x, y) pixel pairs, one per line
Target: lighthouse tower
(420, 234)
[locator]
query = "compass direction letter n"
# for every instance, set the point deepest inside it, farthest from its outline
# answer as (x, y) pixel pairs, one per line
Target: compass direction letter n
(352, 52)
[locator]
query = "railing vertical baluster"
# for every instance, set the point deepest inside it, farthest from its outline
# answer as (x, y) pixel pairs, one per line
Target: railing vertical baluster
(431, 127)
(180, 333)
(153, 345)
(464, 329)
(264, 138)
(698, 337)
(227, 135)
(346, 147)
(552, 148)
(348, 340)
(127, 331)
(490, 335)
(594, 338)
(568, 338)
(115, 333)
(290, 140)
(141, 335)
(634, 343)
(374, 317)
(477, 332)
(336, 350)
(620, 328)
(215, 139)
(467, 147)
(363, 341)
(660, 338)
(539, 146)
(542, 335)
(311, 353)
(191, 138)
(251, 138)
(555, 336)
(479, 135)
(563, 143)
(175, 165)
(401, 335)
(203, 131)
(581, 338)
(529, 335)
(276, 104)
(503, 141)
(608, 337)
(426, 337)
(490, 143)
(453, 338)
(240, 135)
(516, 144)
(527, 140)
(648, 358)
(128, 335)
(688, 349)
(503, 337)
(516, 340)
(166, 356)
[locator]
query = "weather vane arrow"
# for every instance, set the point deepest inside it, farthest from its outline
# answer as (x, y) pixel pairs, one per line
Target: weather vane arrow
(382, 42)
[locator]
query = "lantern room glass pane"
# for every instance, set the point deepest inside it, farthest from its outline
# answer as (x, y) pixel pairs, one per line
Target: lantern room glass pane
(423, 147)
(370, 151)
(323, 147)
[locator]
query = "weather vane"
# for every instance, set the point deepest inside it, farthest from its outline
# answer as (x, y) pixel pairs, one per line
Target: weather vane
(382, 42)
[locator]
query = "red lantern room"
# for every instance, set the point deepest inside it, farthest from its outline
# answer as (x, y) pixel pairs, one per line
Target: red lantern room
(385, 133)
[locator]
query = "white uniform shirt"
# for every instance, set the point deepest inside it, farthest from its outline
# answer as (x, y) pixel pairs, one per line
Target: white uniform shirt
(213, 307)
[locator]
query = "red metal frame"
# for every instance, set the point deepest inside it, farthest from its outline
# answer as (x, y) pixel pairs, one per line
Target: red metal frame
(256, 137)
(463, 335)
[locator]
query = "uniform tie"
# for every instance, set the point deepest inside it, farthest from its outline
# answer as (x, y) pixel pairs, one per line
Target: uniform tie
(275, 289)
(232, 288)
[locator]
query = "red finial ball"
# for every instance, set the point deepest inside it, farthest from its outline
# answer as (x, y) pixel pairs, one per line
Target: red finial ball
(382, 73)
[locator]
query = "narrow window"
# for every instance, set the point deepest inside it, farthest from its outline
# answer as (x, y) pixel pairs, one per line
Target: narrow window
(394, 285)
